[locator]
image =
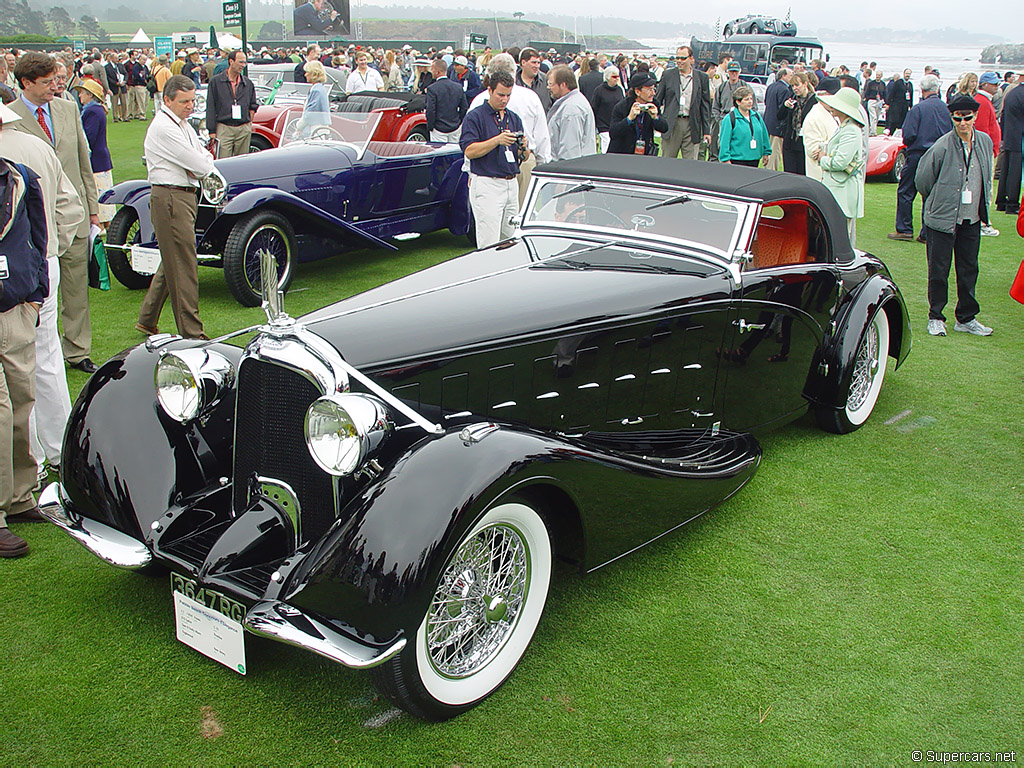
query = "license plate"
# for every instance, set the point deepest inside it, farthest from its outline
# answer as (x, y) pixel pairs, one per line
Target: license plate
(209, 622)
(145, 261)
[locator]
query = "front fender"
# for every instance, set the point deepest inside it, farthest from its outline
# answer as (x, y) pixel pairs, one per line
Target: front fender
(833, 365)
(305, 217)
(377, 570)
(124, 462)
(127, 193)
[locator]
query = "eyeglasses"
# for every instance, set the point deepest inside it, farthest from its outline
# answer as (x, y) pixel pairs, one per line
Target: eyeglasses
(682, 58)
(613, 77)
(963, 118)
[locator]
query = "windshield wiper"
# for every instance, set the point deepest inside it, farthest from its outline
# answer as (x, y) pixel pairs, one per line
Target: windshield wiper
(683, 198)
(586, 186)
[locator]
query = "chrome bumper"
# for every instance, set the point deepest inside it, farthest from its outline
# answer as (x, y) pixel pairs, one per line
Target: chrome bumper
(106, 543)
(283, 622)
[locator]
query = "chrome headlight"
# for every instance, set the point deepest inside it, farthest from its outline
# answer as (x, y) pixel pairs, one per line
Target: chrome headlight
(345, 430)
(215, 187)
(882, 157)
(190, 382)
(200, 102)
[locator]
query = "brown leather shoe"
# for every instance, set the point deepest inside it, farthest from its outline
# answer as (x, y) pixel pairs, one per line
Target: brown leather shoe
(905, 236)
(11, 545)
(146, 329)
(28, 516)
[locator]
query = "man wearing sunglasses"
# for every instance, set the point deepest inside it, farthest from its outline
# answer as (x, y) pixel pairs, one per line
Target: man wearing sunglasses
(955, 179)
(684, 95)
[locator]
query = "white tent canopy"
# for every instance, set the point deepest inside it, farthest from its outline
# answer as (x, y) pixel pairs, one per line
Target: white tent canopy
(141, 37)
(229, 42)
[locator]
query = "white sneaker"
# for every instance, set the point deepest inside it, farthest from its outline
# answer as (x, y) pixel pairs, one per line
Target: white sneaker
(988, 230)
(972, 327)
(936, 328)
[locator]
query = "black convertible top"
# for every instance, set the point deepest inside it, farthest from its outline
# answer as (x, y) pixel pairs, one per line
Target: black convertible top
(697, 175)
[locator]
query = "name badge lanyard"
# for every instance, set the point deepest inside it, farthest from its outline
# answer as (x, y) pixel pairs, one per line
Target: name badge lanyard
(236, 108)
(965, 193)
(502, 126)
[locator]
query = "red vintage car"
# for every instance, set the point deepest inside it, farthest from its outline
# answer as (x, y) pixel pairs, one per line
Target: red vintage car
(402, 117)
(886, 155)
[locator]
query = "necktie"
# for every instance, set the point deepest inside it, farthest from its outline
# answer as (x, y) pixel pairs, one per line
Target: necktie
(41, 116)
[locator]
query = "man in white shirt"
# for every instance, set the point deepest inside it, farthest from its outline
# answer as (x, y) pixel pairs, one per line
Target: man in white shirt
(527, 105)
(176, 161)
(365, 77)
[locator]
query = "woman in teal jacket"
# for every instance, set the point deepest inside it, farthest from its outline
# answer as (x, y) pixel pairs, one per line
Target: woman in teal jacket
(842, 159)
(743, 137)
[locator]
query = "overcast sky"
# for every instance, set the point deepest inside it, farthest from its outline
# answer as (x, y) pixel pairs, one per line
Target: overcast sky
(1000, 17)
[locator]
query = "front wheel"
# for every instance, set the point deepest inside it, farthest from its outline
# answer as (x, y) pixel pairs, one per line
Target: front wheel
(865, 380)
(124, 231)
(259, 231)
(485, 608)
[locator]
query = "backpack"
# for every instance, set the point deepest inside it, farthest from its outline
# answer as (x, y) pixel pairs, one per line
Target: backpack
(151, 82)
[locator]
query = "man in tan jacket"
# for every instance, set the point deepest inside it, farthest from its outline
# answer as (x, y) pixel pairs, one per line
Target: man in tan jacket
(64, 213)
(58, 123)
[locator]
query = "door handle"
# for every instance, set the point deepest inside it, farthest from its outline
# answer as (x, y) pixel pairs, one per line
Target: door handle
(745, 326)
(629, 422)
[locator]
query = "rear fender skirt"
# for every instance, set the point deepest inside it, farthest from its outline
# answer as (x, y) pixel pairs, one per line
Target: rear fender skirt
(833, 365)
(455, 187)
(305, 218)
(377, 567)
(128, 476)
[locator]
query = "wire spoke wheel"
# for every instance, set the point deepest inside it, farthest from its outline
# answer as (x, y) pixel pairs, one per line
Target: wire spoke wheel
(261, 230)
(484, 609)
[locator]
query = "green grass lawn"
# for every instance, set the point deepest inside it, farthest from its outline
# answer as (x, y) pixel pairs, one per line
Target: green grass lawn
(860, 599)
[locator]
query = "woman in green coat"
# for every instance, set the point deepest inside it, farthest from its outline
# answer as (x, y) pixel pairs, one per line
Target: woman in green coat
(842, 159)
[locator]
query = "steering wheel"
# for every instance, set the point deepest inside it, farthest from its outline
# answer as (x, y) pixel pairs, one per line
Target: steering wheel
(600, 217)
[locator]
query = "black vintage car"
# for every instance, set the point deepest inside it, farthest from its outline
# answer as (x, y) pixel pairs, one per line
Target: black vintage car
(387, 481)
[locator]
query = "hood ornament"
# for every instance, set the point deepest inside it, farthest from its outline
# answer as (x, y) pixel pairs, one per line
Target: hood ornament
(273, 297)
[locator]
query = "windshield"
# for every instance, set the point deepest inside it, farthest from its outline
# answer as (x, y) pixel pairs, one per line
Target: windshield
(795, 53)
(299, 125)
(691, 219)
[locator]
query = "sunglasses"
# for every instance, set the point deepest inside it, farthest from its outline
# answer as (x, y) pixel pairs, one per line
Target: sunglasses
(963, 118)
(682, 58)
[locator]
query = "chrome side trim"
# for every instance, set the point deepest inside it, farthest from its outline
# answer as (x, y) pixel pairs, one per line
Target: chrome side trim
(280, 621)
(393, 401)
(106, 543)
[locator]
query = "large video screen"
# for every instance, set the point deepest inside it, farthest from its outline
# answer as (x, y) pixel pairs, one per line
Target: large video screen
(320, 18)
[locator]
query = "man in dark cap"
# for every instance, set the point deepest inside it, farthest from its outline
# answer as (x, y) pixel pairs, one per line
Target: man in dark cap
(955, 180)
(635, 119)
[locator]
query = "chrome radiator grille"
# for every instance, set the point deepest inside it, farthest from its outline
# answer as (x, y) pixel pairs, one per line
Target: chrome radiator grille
(269, 441)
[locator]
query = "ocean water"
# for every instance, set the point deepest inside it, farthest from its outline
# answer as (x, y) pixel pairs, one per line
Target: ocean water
(951, 62)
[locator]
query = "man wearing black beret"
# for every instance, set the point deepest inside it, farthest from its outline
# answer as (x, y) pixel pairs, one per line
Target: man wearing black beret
(955, 179)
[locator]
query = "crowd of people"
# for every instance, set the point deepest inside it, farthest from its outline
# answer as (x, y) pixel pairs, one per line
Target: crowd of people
(507, 110)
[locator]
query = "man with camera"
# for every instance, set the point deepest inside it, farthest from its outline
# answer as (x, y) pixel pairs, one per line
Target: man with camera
(636, 118)
(494, 143)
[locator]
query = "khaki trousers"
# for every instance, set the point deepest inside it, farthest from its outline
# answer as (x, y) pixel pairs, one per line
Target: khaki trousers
(679, 141)
(775, 159)
(76, 338)
(138, 97)
(17, 396)
(173, 212)
(233, 140)
(120, 104)
(525, 171)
